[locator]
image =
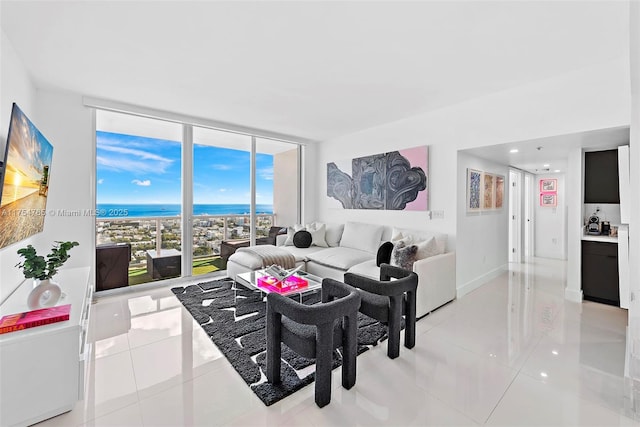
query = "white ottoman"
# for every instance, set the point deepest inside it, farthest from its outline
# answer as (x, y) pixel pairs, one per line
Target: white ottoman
(243, 261)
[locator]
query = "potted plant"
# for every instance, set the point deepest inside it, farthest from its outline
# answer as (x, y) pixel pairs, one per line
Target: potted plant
(45, 293)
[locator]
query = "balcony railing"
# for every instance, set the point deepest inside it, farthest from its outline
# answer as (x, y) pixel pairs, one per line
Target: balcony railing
(160, 233)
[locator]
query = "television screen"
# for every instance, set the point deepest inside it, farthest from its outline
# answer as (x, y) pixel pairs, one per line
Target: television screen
(26, 174)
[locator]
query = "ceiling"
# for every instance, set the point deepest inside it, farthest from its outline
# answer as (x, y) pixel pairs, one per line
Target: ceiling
(549, 155)
(313, 70)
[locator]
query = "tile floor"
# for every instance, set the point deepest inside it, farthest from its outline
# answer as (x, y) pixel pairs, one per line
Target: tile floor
(513, 352)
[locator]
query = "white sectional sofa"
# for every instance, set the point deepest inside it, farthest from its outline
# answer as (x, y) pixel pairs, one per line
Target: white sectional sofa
(352, 247)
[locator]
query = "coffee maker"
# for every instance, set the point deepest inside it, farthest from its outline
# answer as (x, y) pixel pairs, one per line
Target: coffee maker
(593, 226)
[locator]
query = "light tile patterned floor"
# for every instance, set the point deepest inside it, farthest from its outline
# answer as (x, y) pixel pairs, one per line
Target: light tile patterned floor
(513, 352)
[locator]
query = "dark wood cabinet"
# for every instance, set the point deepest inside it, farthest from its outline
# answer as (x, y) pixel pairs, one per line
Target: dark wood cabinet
(600, 272)
(601, 177)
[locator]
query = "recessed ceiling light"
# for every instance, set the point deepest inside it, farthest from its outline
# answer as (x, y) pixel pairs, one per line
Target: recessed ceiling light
(546, 165)
(513, 150)
(543, 374)
(557, 170)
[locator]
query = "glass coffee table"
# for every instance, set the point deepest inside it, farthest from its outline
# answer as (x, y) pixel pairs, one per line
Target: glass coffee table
(251, 280)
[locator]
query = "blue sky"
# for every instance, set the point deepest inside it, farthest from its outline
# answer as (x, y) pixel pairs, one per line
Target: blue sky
(133, 169)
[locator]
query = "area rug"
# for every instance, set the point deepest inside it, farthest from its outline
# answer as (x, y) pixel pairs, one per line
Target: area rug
(234, 318)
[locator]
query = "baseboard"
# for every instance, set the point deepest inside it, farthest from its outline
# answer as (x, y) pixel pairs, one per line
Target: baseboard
(573, 295)
(481, 280)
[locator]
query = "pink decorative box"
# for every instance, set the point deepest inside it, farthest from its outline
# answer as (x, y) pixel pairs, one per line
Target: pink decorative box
(291, 283)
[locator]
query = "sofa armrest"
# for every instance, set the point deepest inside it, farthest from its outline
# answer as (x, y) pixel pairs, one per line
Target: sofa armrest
(436, 282)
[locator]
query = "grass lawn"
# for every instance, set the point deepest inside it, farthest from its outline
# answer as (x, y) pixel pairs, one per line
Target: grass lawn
(138, 275)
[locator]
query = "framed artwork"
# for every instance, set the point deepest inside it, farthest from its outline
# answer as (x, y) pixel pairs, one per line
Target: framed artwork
(548, 185)
(488, 191)
(474, 190)
(549, 200)
(499, 191)
(397, 180)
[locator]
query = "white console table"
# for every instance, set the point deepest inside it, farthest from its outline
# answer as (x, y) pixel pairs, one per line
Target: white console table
(42, 369)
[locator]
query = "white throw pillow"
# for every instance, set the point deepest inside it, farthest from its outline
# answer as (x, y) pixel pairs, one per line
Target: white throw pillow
(365, 237)
(422, 235)
(427, 248)
(317, 230)
(290, 232)
(333, 234)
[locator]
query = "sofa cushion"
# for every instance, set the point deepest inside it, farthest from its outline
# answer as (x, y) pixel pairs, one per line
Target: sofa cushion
(361, 236)
(340, 258)
(317, 230)
(333, 234)
(367, 269)
(421, 235)
(300, 254)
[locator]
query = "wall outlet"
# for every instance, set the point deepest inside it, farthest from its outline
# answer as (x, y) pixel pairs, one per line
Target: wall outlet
(437, 214)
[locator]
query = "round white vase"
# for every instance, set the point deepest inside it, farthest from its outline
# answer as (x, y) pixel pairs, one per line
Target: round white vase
(45, 293)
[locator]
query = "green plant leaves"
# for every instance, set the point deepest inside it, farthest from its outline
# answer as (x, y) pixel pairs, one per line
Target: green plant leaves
(35, 266)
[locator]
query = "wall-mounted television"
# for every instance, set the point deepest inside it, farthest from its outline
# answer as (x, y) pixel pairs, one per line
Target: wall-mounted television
(25, 175)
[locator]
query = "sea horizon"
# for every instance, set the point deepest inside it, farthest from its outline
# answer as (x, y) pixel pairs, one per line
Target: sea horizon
(135, 210)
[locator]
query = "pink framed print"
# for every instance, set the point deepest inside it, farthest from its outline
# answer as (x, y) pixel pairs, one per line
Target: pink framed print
(548, 185)
(549, 200)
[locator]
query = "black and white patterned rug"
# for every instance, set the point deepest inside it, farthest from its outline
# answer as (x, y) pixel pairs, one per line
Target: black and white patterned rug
(234, 318)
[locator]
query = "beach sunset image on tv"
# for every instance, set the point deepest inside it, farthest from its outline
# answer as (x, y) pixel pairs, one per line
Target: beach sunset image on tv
(26, 180)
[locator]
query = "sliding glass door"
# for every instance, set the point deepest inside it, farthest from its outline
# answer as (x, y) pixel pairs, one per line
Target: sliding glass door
(138, 199)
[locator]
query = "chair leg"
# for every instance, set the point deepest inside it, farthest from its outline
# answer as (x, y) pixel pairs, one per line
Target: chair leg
(350, 350)
(274, 335)
(410, 321)
(395, 320)
(324, 359)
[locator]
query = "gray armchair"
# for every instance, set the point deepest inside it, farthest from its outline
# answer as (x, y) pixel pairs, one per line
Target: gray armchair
(314, 331)
(387, 301)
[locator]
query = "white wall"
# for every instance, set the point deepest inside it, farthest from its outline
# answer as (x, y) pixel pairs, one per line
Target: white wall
(67, 124)
(15, 86)
(592, 98)
(550, 222)
(482, 237)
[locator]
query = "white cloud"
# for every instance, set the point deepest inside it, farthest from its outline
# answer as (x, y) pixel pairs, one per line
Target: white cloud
(101, 180)
(132, 160)
(144, 183)
(222, 190)
(221, 167)
(266, 173)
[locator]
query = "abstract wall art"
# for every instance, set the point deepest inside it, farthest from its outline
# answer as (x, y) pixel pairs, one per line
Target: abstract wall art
(485, 191)
(499, 191)
(474, 190)
(488, 191)
(390, 181)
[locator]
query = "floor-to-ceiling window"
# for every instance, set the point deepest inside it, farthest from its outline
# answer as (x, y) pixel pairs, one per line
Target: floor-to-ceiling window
(238, 189)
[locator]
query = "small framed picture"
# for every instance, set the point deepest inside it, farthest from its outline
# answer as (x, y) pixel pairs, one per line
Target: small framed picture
(548, 185)
(474, 190)
(549, 200)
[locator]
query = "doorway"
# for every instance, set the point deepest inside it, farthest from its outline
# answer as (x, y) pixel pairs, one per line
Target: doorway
(521, 215)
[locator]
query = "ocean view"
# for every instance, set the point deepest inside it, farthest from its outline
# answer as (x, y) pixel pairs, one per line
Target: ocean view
(108, 210)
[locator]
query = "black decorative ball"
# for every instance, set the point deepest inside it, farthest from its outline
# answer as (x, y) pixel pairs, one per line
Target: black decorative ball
(302, 239)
